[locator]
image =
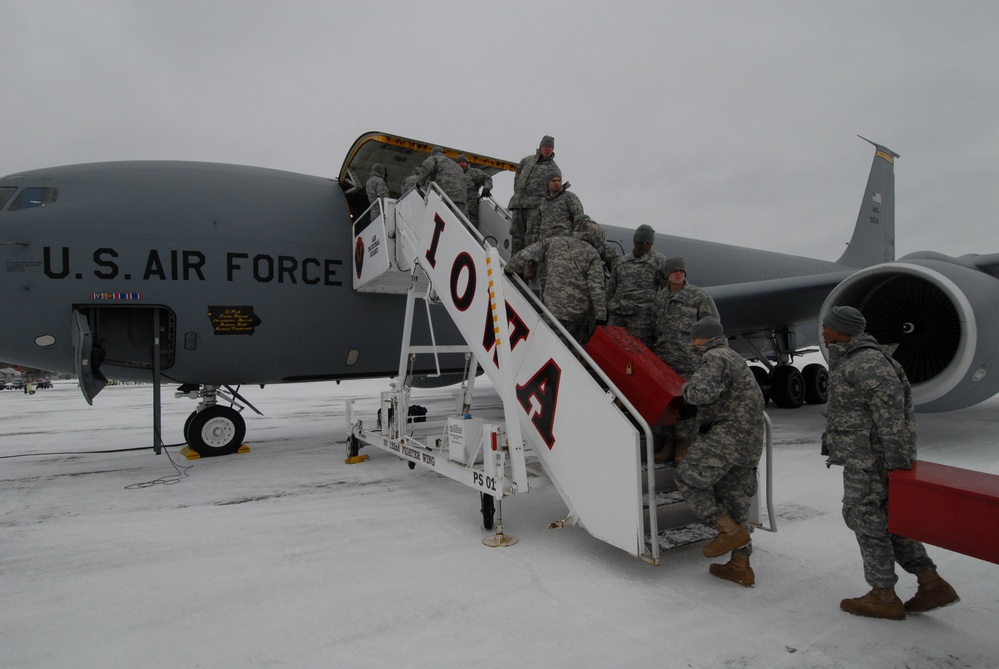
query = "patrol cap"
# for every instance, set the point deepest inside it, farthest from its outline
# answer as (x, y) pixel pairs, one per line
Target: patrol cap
(645, 233)
(675, 264)
(708, 327)
(845, 320)
(547, 140)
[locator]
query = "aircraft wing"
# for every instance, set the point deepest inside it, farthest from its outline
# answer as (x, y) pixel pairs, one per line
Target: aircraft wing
(765, 305)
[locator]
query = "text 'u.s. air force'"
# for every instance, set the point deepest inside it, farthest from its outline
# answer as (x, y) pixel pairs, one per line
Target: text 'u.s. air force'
(186, 265)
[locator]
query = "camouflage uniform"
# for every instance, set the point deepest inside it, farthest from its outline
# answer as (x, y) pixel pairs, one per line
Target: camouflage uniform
(718, 475)
(529, 187)
(675, 313)
(631, 293)
(474, 180)
(559, 212)
(610, 253)
(575, 289)
(409, 183)
(446, 173)
(376, 188)
(871, 429)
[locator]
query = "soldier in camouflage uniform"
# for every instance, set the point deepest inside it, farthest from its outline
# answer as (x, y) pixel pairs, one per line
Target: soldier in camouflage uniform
(409, 183)
(634, 282)
(677, 307)
(575, 289)
(474, 180)
(559, 210)
(376, 186)
(717, 478)
(446, 173)
(529, 186)
(871, 430)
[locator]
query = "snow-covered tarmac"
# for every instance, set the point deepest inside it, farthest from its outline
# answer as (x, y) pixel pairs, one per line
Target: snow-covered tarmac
(287, 557)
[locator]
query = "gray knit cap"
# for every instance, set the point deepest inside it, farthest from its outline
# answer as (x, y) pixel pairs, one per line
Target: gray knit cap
(708, 327)
(645, 233)
(547, 140)
(552, 173)
(674, 264)
(378, 168)
(436, 150)
(845, 320)
(461, 157)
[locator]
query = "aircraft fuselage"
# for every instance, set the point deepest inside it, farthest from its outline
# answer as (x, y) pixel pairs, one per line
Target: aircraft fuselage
(249, 268)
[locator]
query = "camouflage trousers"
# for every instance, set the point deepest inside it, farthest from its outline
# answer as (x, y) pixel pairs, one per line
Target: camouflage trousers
(865, 510)
(641, 325)
(524, 228)
(712, 492)
(473, 212)
(580, 328)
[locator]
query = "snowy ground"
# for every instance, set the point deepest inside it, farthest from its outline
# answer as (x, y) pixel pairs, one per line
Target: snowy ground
(287, 557)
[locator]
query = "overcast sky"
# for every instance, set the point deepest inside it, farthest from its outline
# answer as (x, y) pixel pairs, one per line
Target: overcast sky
(726, 121)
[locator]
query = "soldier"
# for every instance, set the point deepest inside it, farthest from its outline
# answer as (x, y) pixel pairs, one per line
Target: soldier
(409, 183)
(529, 186)
(474, 180)
(677, 307)
(871, 430)
(446, 173)
(717, 478)
(376, 186)
(635, 281)
(559, 210)
(574, 292)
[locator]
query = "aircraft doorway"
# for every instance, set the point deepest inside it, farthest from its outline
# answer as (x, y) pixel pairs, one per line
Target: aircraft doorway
(120, 336)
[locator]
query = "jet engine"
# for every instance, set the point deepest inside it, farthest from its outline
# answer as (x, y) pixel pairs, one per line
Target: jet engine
(943, 315)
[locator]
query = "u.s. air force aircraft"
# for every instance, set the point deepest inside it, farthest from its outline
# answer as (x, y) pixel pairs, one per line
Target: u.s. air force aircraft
(210, 275)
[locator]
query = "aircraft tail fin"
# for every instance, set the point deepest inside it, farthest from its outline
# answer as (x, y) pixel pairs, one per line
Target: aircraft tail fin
(873, 240)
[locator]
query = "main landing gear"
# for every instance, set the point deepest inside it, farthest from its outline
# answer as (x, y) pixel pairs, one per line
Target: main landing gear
(212, 429)
(790, 388)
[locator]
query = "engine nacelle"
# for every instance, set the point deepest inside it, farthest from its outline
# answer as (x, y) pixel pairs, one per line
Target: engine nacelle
(943, 313)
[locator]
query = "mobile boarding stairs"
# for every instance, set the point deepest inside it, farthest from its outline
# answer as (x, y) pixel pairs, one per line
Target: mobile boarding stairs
(562, 421)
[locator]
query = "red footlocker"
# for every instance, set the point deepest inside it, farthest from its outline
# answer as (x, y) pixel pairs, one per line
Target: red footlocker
(956, 509)
(648, 382)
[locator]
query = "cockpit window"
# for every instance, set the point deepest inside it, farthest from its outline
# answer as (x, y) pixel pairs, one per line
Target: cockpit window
(34, 196)
(5, 193)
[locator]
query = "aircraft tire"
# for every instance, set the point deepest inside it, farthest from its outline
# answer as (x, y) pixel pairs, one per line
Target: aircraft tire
(353, 447)
(787, 387)
(217, 430)
(488, 510)
(762, 377)
(187, 427)
(816, 378)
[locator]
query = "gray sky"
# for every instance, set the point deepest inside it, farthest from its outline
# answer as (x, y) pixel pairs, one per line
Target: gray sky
(726, 121)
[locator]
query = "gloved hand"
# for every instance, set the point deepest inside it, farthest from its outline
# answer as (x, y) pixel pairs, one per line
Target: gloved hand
(824, 450)
(486, 192)
(684, 411)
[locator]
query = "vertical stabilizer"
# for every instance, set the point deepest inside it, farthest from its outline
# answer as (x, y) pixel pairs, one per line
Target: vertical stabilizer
(873, 240)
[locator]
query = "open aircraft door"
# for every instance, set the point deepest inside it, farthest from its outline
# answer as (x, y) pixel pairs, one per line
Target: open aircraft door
(87, 369)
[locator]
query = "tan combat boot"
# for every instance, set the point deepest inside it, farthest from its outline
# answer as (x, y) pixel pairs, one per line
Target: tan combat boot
(933, 593)
(877, 603)
(667, 452)
(731, 535)
(681, 450)
(737, 569)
